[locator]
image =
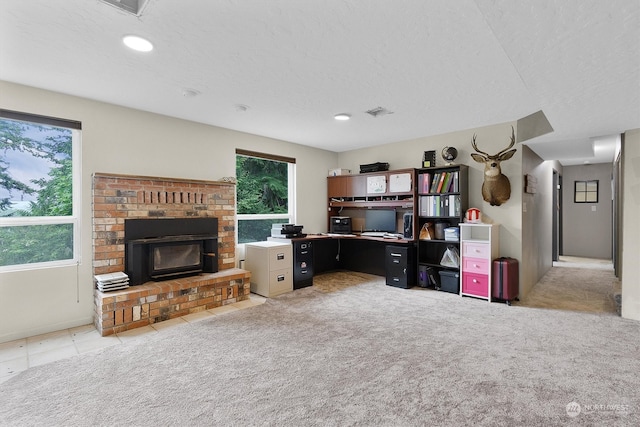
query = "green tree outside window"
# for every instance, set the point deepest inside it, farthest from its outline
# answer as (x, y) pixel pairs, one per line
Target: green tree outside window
(262, 196)
(36, 193)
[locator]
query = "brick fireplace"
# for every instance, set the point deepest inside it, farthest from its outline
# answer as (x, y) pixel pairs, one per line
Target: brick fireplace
(120, 197)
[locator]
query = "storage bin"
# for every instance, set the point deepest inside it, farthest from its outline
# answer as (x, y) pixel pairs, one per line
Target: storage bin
(475, 265)
(336, 172)
(450, 281)
(475, 284)
(476, 250)
(428, 277)
(440, 227)
(452, 234)
(423, 279)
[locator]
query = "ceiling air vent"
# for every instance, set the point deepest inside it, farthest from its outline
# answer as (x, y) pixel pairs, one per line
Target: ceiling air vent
(378, 111)
(134, 7)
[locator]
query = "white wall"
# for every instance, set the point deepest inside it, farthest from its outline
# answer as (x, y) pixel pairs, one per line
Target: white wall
(491, 139)
(588, 232)
(631, 225)
(537, 220)
(127, 141)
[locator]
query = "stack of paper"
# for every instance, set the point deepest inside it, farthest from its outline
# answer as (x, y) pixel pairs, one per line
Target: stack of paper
(112, 281)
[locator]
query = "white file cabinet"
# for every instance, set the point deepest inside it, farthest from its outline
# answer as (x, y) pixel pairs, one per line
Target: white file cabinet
(270, 264)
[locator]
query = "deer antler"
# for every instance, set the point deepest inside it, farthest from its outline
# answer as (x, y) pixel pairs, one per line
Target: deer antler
(513, 141)
(475, 146)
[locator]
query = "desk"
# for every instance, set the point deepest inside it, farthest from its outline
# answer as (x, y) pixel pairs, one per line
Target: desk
(355, 253)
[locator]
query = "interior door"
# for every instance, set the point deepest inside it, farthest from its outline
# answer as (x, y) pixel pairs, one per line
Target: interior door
(557, 215)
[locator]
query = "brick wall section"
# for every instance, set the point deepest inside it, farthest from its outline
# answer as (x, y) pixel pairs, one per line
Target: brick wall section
(153, 302)
(117, 197)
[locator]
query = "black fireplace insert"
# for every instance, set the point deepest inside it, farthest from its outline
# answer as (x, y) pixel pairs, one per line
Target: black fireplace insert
(166, 248)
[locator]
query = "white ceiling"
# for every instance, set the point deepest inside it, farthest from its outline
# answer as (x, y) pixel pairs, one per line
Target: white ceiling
(438, 65)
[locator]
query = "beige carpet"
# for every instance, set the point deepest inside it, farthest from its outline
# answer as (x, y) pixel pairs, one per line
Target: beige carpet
(583, 262)
(577, 284)
(350, 351)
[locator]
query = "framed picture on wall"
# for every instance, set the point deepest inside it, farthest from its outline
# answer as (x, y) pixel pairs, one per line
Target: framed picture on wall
(585, 191)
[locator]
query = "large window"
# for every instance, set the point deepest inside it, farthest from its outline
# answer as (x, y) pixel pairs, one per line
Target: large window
(39, 191)
(265, 194)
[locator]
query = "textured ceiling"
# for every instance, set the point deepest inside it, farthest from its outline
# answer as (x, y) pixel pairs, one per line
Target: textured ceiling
(439, 66)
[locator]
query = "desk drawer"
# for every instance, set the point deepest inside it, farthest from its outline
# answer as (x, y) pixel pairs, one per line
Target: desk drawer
(280, 281)
(475, 284)
(303, 251)
(280, 257)
(396, 256)
(475, 265)
(399, 281)
(476, 250)
(399, 270)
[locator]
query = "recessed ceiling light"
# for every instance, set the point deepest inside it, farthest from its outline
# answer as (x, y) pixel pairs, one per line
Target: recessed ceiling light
(138, 43)
(342, 116)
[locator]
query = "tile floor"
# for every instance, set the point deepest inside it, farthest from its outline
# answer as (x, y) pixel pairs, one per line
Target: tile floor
(19, 355)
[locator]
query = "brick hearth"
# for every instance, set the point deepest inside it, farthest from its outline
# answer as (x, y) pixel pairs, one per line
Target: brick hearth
(154, 302)
(118, 197)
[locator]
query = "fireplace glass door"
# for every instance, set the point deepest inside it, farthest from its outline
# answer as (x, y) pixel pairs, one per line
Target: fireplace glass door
(175, 258)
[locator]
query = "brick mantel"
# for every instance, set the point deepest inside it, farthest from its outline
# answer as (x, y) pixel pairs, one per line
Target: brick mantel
(118, 197)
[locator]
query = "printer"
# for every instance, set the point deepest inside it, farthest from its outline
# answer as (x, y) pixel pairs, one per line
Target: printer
(340, 225)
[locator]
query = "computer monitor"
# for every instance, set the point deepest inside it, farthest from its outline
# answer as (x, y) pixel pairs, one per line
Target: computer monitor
(380, 220)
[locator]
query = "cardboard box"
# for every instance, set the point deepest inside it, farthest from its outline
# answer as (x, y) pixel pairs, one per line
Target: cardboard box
(336, 172)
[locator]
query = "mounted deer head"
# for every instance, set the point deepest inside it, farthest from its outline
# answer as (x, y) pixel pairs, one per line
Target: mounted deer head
(496, 188)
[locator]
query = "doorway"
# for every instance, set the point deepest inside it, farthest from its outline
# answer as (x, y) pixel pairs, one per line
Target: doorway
(557, 215)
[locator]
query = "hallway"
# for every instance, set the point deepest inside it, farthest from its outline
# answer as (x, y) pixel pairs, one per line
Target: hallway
(577, 284)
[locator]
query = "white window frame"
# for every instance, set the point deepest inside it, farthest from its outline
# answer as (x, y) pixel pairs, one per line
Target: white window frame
(75, 217)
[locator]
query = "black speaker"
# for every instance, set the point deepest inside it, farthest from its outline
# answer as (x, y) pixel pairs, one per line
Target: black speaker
(407, 225)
